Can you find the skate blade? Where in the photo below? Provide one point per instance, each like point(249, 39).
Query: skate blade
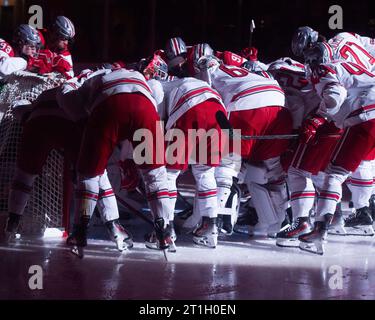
point(121, 246)
point(360, 231)
point(77, 251)
point(129, 243)
point(312, 247)
point(210, 243)
point(287, 243)
point(337, 230)
point(172, 247)
point(165, 255)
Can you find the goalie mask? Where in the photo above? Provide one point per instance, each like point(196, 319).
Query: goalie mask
point(154, 68)
point(26, 35)
point(303, 39)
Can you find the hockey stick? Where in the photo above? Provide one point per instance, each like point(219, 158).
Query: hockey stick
point(224, 124)
point(134, 210)
point(140, 215)
point(252, 27)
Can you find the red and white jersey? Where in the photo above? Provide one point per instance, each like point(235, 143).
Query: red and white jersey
point(347, 46)
point(301, 99)
point(6, 50)
point(239, 88)
point(80, 95)
point(230, 58)
point(63, 63)
point(181, 95)
point(9, 63)
point(347, 91)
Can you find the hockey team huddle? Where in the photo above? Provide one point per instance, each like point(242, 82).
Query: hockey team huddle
point(325, 101)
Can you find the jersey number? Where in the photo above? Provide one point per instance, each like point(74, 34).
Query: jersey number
point(234, 72)
point(5, 47)
point(356, 69)
point(349, 49)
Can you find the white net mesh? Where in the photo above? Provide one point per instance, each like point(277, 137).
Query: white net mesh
point(45, 208)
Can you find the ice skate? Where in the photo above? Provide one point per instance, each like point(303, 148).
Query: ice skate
point(372, 206)
point(225, 225)
point(78, 239)
point(337, 225)
point(153, 243)
point(119, 235)
point(11, 227)
point(313, 240)
point(360, 223)
point(207, 233)
point(288, 237)
point(162, 236)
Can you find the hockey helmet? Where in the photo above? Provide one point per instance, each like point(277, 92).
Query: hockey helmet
point(26, 35)
point(303, 38)
point(154, 68)
point(63, 28)
point(175, 47)
point(319, 53)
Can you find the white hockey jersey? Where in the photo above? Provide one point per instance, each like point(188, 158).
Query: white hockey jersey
point(347, 91)
point(80, 95)
point(9, 63)
point(181, 95)
point(349, 46)
point(239, 88)
point(301, 98)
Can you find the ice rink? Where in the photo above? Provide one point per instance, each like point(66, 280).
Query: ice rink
point(239, 268)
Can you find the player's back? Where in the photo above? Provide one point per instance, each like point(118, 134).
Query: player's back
point(243, 90)
point(346, 46)
point(182, 94)
point(5, 49)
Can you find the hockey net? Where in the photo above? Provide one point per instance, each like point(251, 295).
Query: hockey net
point(46, 206)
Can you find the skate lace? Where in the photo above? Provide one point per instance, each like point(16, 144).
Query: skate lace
point(294, 225)
point(351, 217)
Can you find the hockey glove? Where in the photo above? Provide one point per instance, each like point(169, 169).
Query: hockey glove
point(309, 129)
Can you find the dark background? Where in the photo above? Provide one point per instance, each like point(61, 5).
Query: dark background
point(108, 30)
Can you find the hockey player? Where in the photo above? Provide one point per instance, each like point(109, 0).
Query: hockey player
point(189, 104)
point(344, 46)
point(308, 157)
point(48, 127)
point(256, 106)
point(56, 56)
point(26, 45)
point(175, 53)
point(118, 102)
point(348, 94)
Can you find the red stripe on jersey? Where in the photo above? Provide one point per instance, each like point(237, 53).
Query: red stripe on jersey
point(192, 94)
point(126, 81)
point(329, 49)
point(368, 108)
point(257, 90)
